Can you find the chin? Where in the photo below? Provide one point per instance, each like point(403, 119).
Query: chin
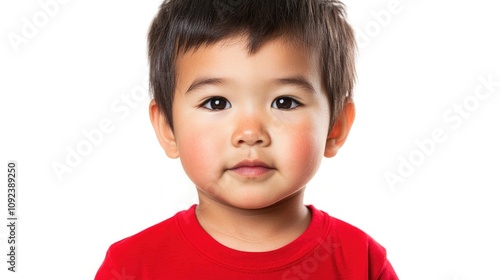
point(249, 204)
point(256, 202)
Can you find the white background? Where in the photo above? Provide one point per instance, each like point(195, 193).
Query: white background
point(79, 66)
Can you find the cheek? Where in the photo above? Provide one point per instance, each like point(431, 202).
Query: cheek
point(199, 150)
point(191, 153)
point(305, 149)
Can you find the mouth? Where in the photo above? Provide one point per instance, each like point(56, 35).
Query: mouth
point(251, 168)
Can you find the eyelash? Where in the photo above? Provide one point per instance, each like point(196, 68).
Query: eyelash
point(206, 103)
point(293, 100)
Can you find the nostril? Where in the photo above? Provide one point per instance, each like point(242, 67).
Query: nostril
point(250, 133)
point(250, 140)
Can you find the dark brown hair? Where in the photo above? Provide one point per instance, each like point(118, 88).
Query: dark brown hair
point(319, 25)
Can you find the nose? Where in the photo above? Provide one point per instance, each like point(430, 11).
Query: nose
point(250, 131)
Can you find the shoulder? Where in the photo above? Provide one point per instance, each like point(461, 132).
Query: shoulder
point(346, 233)
point(150, 236)
point(135, 254)
point(342, 231)
point(354, 247)
point(356, 240)
point(152, 240)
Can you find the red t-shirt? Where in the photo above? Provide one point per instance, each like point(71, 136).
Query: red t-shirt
point(178, 248)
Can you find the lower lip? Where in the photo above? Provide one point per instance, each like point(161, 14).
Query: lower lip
point(251, 171)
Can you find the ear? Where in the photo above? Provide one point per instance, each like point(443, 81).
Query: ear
point(340, 130)
point(163, 131)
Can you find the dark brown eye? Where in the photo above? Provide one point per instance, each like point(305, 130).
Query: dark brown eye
point(217, 104)
point(285, 103)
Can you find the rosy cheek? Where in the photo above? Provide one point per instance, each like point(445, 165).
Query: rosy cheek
point(303, 148)
point(306, 149)
point(198, 152)
point(190, 152)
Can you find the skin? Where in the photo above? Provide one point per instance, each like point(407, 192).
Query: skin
point(251, 131)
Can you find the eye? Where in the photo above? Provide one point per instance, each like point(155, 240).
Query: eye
point(285, 103)
point(216, 104)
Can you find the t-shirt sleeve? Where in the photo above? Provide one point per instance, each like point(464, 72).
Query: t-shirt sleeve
point(380, 267)
point(104, 272)
point(387, 272)
point(110, 269)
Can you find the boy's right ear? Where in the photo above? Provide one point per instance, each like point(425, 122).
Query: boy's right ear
point(163, 131)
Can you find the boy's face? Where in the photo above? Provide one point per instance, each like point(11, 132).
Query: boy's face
point(250, 130)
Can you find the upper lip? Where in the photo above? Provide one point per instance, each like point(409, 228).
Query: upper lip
point(250, 163)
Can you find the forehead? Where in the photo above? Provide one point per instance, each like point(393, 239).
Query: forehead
point(230, 59)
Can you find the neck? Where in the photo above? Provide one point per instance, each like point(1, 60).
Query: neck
point(254, 230)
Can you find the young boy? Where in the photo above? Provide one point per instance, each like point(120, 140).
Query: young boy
point(250, 95)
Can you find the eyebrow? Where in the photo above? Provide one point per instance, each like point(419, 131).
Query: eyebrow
point(297, 81)
point(201, 82)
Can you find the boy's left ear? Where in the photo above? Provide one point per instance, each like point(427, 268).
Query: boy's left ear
point(340, 130)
